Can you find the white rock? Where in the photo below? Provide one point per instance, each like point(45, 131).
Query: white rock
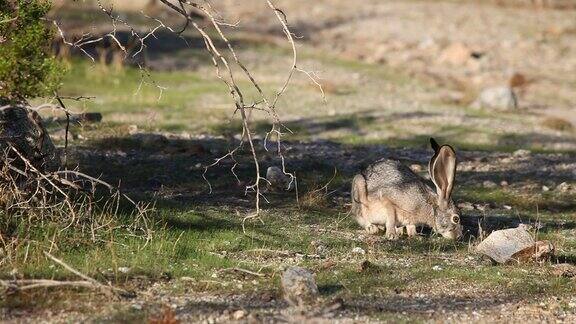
point(239, 314)
point(564, 187)
point(136, 306)
point(132, 129)
point(466, 206)
point(123, 269)
point(521, 153)
point(501, 245)
point(358, 250)
point(499, 98)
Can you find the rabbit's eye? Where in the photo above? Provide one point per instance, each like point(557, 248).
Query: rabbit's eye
point(455, 219)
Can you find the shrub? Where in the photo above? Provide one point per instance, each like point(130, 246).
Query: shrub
point(27, 67)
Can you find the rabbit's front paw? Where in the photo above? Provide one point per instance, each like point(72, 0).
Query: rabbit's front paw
point(372, 229)
point(411, 230)
point(392, 236)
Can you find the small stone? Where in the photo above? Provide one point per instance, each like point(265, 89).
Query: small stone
point(564, 187)
point(545, 188)
point(278, 180)
point(507, 207)
point(466, 206)
point(299, 286)
point(416, 168)
point(521, 153)
point(239, 314)
point(504, 183)
point(481, 207)
point(132, 129)
point(136, 306)
point(123, 269)
point(437, 268)
point(358, 250)
point(489, 184)
point(498, 98)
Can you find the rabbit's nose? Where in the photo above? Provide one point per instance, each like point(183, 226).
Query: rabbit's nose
point(460, 232)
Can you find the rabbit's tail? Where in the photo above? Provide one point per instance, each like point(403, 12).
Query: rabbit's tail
point(359, 195)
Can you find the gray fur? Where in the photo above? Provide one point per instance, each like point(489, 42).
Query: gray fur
point(397, 182)
point(388, 194)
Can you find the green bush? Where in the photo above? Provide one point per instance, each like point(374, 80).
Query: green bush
point(27, 67)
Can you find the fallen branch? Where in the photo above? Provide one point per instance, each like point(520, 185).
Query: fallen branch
point(90, 283)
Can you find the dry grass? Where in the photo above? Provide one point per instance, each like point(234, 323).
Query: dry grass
point(61, 207)
point(314, 199)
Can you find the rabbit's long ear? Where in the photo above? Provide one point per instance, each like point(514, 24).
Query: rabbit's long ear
point(436, 148)
point(443, 171)
point(434, 145)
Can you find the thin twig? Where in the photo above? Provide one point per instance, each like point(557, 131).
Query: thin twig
point(95, 282)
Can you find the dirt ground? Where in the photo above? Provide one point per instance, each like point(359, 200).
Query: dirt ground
point(415, 35)
point(393, 79)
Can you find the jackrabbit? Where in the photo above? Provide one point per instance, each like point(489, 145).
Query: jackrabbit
point(389, 194)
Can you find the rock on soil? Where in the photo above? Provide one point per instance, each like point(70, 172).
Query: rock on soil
point(564, 187)
point(498, 98)
point(277, 179)
point(299, 286)
point(23, 129)
point(501, 245)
